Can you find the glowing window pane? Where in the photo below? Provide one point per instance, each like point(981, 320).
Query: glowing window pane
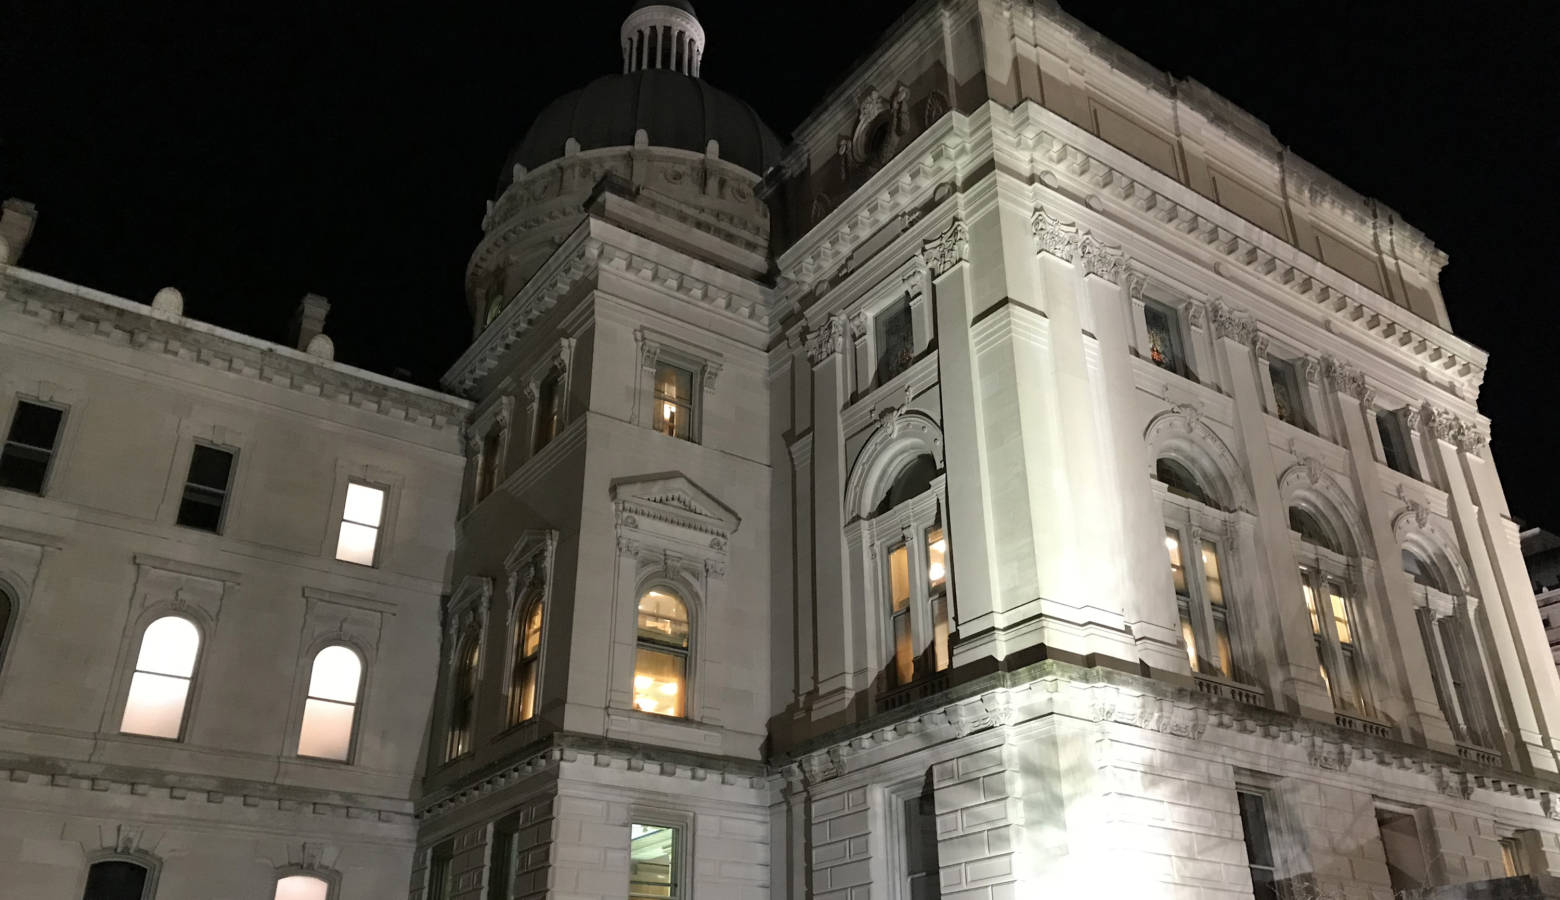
point(301, 887)
point(658, 681)
point(653, 862)
point(1210, 563)
point(663, 619)
point(364, 505)
point(1310, 606)
point(1188, 635)
point(327, 729)
point(936, 557)
point(336, 673)
point(168, 647)
point(1177, 570)
point(1340, 610)
point(155, 706)
point(899, 578)
point(940, 632)
point(357, 543)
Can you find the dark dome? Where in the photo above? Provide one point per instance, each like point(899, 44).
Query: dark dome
point(675, 110)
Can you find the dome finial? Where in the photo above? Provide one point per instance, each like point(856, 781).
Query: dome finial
point(662, 34)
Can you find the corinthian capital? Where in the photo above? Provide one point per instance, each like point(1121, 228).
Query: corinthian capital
point(1053, 236)
point(1102, 260)
point(947, 249)
point(1346, 379)
point(827, 340)
point(1228, 323)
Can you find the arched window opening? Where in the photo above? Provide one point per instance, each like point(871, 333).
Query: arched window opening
point(661, 654)
point(463, 696)
point(1181, 482)
point(160, 685)
point(330, 710)
point(528, 657)
point(7, 619)
point(117, 879)
point(1312, 530)
point(913, 480)
point(1423, 573)
point(302, 887)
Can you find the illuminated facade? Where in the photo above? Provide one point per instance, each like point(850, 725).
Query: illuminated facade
point(1034, 481)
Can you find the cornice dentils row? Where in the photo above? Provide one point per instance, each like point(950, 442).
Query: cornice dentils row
point(1068, 160)
point(1067, 242)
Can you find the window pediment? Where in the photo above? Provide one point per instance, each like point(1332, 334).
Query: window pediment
point(675, 502)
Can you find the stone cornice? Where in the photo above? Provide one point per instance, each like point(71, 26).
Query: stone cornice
point(84, 311)
point(1090, 167)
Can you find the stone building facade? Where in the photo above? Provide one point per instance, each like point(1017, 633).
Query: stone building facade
point(1034, 480)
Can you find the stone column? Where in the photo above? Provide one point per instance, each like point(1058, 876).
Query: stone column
point(1292, 671)
point(838, 673)
point(1411, 699)
point(1515, 596)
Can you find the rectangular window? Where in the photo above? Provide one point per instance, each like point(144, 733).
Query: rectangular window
point(206, 488)
point(487, 467)
point(504, 864)
point(654, 862)
point(920, 836)
point(1164, 337)
point(937, 592)
point(899, 614)
point(359, 540)
point(1394, 443)
point(549, 409)
point(1259, 844)
point(1407, 868)
point(1288, 402)
point(674, 401)
point(441, 872)
point(29, 446)
point(1511, 856)
point(895, 340)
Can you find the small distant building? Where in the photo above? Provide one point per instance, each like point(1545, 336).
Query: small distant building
point(1541, 549)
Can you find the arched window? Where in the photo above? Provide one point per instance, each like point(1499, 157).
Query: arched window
point(661, 654)
point(528, 657)
point(1193, 523)
point(913, 480)
point(302, 887)
point(1180, 480)
point(1329, 602)
point(1422, 572)
point(463, 696)
point(1456, 660)
point(160, 686)
point(906, 528)
point(7, 619)
point(330, 711)
point(117, 879)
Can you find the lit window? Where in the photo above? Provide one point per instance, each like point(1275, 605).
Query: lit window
point(331, 708)
point(661, 658)
point(674, 401)
point(895, 340)
point(116, 879)
point(1164, 337)
point(206, 488)
point(899, 614)
point(160, 685)
point(302, 887)
point(528, 653)
point(1197, 572)
point(1288, 404)
point(463, 696)
point(654, 862)
point(937, 590)
point(29, 447)
point(1512, 859)
point(360, 518)
point(1259, 844)
point(549, 409)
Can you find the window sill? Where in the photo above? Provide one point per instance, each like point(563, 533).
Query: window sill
point(919, 689)
point(1481, 755)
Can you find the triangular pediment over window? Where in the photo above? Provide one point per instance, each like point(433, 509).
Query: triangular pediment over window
point(674, 500)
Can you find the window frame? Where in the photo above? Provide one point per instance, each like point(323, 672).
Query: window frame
point(894, 798)
point(10, 621)
point(381, 531)
point(683, 823)
point(878, 343)
point(138, 637)
point(470, 636)
point(1178, 331)
point(1192, 522)
point(1295, 381)
point(442, 852)
point(152, 865)
point(656, 349)
point(909, 524)
point(330, 877)
point(1320, 567)
point(227, 491)
point(358, 705)
point(50, 466)
point(687, 654)
point(1458, 667)
point(1393, 438)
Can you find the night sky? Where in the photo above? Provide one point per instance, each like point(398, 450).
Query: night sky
point(248, 156)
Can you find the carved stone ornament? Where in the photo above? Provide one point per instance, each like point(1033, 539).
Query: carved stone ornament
point(1229, 323)
point(858, 326)
point(1053, 236)
point(1313, 370)
point(827, 340)
point(992, 711)
point(1444, 426)
point(712, 372)
point(1102, 260)
point(1346, 379)
point(947, 249)
point(1326, 754)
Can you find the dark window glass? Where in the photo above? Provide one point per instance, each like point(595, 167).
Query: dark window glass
point(504, 864)
point(549, 409)
point(1180, 480)
point(895, 341)
point(1407, 867)
point(463, 697)
point(1287, 402)
point(115, 880)
point(674, 401)
point(29, 447)
point(1394, 443)
point(921, 846)
point(1259, 845)
point(1164, 337)
point(913, 480)
point(8, 612)
point(206, 488)
point(1311, 529)
point(487, 467)
point(441, 872)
